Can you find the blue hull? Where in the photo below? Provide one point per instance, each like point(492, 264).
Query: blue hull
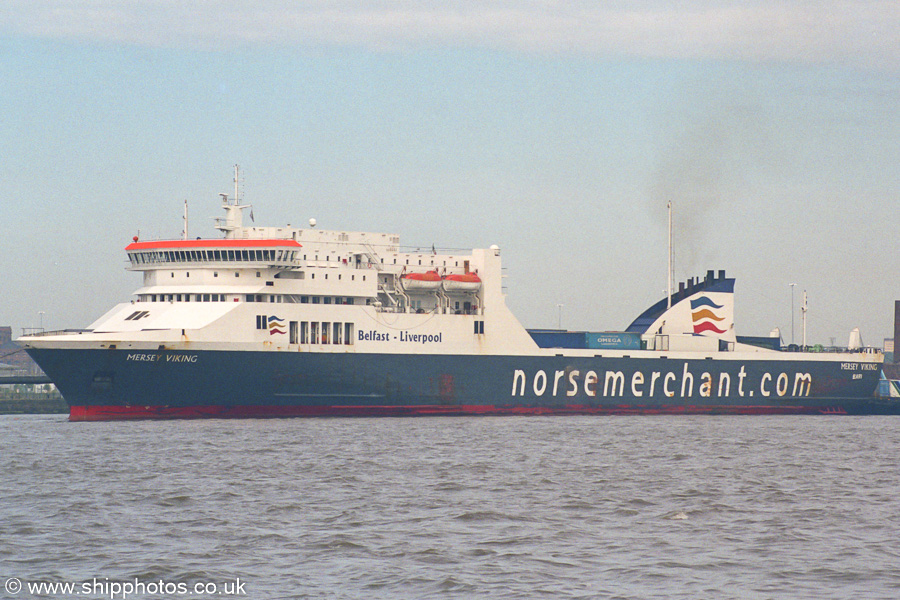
point(118, 384)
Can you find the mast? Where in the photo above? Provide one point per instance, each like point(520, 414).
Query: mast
point(669, 274)
point(232, 221)
point(803, 310)
point(237, 200)
point(185, 232)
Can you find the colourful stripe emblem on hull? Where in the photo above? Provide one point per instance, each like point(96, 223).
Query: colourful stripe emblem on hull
point(276, 325)
point(702, 316)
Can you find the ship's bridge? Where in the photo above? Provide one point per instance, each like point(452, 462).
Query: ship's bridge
point(166, 253)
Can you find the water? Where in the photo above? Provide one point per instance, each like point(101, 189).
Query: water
point(514, 507)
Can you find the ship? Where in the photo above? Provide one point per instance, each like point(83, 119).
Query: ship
point(307, 322)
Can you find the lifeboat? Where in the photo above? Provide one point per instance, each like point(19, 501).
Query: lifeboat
point(466, 282)
point(419, 282)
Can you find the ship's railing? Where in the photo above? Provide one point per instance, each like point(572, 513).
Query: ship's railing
point(58, 332)
point(831, 349)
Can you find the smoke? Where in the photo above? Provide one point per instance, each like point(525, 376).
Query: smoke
point(703, 168)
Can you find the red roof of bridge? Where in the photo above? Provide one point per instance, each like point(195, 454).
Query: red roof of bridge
point(173, 244)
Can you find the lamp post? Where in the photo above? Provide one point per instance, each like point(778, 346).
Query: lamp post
point(559, 321)
point(41, 313)
point(792, 312)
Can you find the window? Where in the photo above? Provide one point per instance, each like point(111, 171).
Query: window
point(304, 332)
point(348, 333)
point(336, 337)
point(261, 322)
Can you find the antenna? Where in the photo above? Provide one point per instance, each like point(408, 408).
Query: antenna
point(792, 311)
point(237, 199)
point(803, 310)
point(669, 274)
point(185, 232)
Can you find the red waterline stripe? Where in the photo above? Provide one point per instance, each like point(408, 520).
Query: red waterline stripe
point(118, 413)
point(212, 244)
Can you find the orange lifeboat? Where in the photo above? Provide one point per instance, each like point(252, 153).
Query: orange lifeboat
point(465, 282)
point(416, 282)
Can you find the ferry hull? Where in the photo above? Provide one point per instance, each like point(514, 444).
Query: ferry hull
point(106, 384)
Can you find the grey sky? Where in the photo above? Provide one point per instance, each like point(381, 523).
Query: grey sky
point(557, 132)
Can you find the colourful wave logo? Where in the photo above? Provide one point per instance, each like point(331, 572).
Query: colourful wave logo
point(276, 325)
point(704, 316)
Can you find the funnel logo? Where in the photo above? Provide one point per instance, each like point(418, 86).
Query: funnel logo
point(703, 314)
point(276, 325)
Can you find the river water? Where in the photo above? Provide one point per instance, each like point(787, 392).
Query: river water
point(509, 507)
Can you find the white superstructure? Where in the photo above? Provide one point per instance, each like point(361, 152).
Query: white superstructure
point(307, 288)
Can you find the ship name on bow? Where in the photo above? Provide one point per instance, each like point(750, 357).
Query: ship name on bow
point(169, 358)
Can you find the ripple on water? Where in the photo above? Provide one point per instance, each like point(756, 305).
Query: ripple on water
point(579, 507)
